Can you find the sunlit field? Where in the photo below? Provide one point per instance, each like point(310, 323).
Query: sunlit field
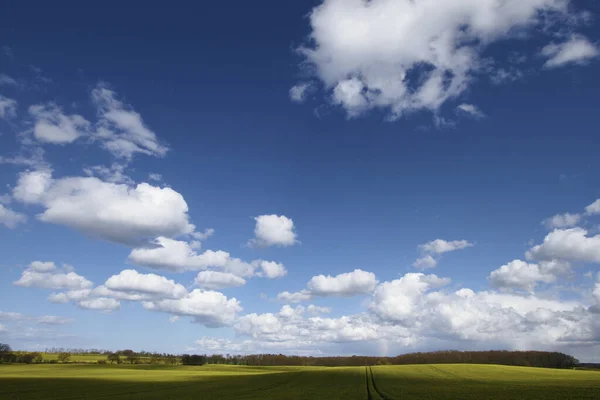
point(72, 381)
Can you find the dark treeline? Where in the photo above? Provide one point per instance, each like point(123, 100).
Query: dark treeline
point(500, 357)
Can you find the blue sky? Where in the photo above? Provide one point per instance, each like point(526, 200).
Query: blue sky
point(191, 166)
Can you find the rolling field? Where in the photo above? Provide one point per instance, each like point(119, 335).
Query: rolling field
point(239, 382)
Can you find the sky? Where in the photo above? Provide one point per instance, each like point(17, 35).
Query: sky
point(325, 177)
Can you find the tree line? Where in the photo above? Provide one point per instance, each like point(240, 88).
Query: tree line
point(501, 357)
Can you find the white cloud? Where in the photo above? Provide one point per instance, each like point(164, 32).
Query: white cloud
point(203, 235)
point(439, 246)
point(398, 300)
point(32, 186)
point(53, 126)
point(271, 269)
point(51, 278)
point(11, 316)
point(294, 297)
point(299, 92)
point(425, 262)
point(54, 320)
point(471, 109)
point(114, 212)
point(178, 256)
point(42, 266)
point(100, 304)
point(404, 55)
point(218, 280)
point(3, 328)
point(273, 230)
point(121, 129)
point(132, 282)
point(210, 308)
point(521, 275)
point(562, 221)
point(8, 108)
point(576, 50)
point(567, 244)
point(10, 218)
point(593, 208)
point(347, 284)
point(155, 177)
point(431, 251)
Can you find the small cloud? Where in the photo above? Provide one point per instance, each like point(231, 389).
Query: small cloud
point(273, 230)
point(577, 50)
point(8, 53)
point(470, 110)
point(155, 177)
point(299, 92)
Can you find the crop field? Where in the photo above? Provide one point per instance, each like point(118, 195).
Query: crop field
point(58, 381)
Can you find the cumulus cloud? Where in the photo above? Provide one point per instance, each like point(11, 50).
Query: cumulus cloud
point(566, 220)
point(521, 275)
point(100, 304)
point(122, 130)
point(38, 275)
point(577, 50)
point(54, 320)
point(10, 218)
point(403, 55)
point(132, 282)
point(218, 280)
point(115, 212)
point(593, 208)
point(177, 256)
point(271, 269)
point(8, 108)
point(347, 284)
point(51, 125)
point(427, 261)
point(42, 266)
point(567, 244)
point(471, 110)
point(207, 307)
point(273, 230)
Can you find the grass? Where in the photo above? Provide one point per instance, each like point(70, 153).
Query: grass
point(58, 381)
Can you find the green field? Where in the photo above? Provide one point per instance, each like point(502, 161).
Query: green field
point(60, 381)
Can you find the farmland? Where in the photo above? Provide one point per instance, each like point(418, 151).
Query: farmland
point(73, 381)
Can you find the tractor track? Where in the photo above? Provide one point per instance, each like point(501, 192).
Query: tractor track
point(379, 393)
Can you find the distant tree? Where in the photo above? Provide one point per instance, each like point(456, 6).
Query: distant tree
point(37, 357)
point(64, 357)
point(171, 360)
point(155, 359)
point(114, 358)
point(5, 353)
point(132, 358)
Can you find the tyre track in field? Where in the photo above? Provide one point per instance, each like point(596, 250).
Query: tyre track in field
point(369, 395)
point(379, 393)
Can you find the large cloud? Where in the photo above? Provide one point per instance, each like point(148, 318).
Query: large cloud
point(519, 274)
point(132, 282)
point(42, 275)
point(273, 230)
point(207, 307)
point(347, 284)
point(218, 280)
point(567, 244)
point(178, 256)
point(111, 211)
point(408, 55)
